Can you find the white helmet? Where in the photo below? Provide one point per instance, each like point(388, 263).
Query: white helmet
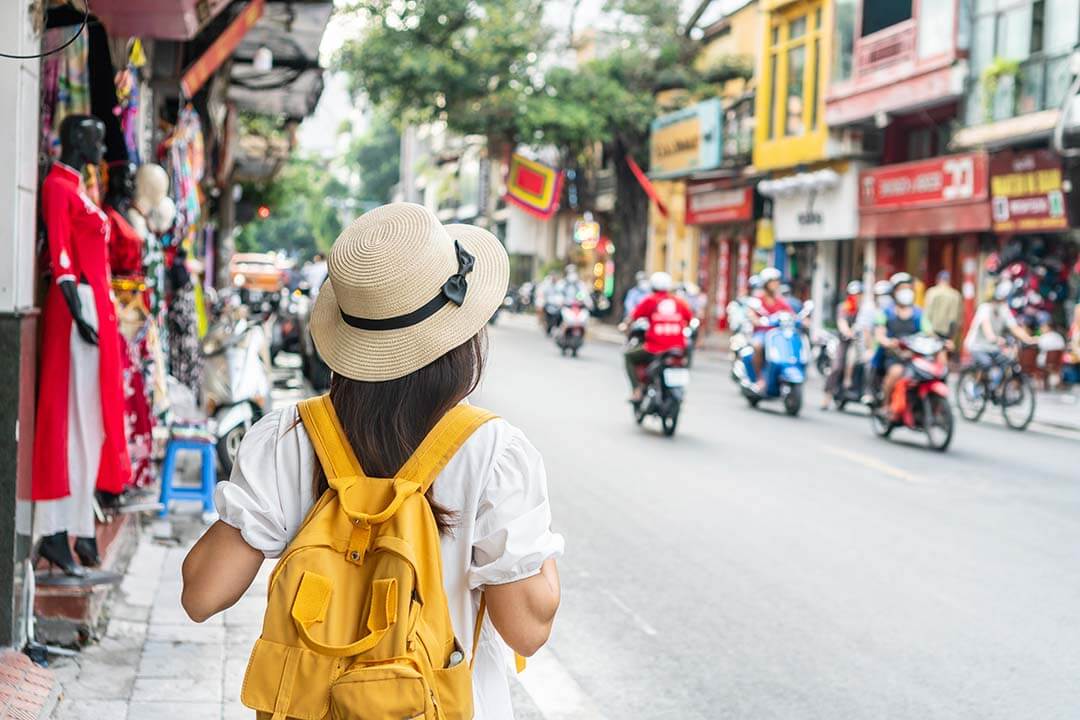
point(1003, 290)
point(660, 282)
point(768, 275)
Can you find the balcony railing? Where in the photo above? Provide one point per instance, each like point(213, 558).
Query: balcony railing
point(1040, 84)
point(894, 44)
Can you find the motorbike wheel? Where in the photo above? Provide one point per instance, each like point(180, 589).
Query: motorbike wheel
point(639, 414)
point(938, 422)
point(228, 446)
point(793, 400)
point(1018, 401)
point(753, 400)
point(971, 395)
point(883, 427)
point(669, 422)
point(573, 352)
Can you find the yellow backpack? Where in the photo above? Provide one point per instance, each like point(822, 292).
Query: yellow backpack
point(357, 625)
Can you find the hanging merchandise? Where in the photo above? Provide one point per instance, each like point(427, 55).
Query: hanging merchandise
point(136, 361)
point(127, 100)
point(184, 152)
point(185, 356)
point(65, 85)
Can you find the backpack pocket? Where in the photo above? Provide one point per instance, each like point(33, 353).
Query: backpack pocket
point(453, 688)
point(386, 691)
point(271, 681)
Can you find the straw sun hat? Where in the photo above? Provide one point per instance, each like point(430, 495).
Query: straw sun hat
point(403, 290)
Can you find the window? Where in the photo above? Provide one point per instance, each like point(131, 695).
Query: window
point(880, 14)
point(935, 30)
point(843, 39)
point(796, 75)
point(794, 86)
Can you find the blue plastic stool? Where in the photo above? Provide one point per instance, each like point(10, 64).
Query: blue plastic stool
point(209, 474)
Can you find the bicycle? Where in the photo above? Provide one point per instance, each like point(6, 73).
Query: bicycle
point(996, 378)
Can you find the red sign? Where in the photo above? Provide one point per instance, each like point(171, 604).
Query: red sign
point(948, 180)
point(709, 203)
point(1026, 192)
point(218, 52)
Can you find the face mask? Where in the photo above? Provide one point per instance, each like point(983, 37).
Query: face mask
point(906, 296)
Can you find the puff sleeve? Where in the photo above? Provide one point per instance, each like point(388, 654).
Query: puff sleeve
point(512, 536)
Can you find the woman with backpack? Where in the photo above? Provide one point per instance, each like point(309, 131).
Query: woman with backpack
point(390, 484)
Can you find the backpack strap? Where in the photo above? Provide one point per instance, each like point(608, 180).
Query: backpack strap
point(328, 438)
point(445, 439)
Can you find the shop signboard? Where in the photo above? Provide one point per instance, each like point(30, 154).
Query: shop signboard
point(711, 203)
point(686, 141)
point(933, 182)
point(1027, 192)
point(938, 196)
point(813, 206)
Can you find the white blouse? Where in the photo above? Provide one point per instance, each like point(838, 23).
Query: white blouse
point(496, 485)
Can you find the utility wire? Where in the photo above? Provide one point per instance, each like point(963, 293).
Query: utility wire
point(82, 28)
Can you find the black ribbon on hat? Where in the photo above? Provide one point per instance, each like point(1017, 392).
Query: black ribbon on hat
point(452, 291)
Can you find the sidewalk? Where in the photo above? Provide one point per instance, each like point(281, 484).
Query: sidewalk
point(155, 663)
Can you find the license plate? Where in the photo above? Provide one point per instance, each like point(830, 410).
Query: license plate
point(676, 377)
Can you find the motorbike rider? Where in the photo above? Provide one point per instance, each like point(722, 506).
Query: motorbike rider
point(993, 321)
point(571, 288)
point(898, 321)
point(636, 294)
point(668, 316)
point(770, 302)
point(848, 314)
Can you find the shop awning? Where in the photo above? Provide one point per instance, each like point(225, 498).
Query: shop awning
point(159, 19)
point(224, 45)
point(288, 38)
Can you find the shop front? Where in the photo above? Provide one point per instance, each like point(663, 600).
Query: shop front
point(815, 224)
point(723, 215)
point(924, 217)
point(1032, 209)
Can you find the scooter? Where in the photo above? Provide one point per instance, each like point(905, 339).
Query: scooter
point(664, 382)
point(824, 349)
point(854, 391)
point(236, 380)
point(786, 357)
point(920, 398)
point(552, 315)
point(575, 317)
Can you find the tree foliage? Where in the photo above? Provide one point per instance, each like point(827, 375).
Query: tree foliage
point(305, 205)
point(375, 156)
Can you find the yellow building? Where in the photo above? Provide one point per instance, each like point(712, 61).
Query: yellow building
point(673, 246)
point(793, 70)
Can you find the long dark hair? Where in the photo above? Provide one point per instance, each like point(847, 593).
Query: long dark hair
point(386, 421)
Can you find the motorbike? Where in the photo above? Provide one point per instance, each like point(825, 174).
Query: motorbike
point(824, 349)
point(784, 369)
point(854, 391)
point(664, 381)
point(552, 315)
point(920, 399)
point(741, 332)
point(691, 334)
point(286, 331)
point(236, 380)
point(571, 333)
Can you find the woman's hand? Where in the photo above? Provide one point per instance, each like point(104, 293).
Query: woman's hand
point(217, 571)
point(524, 611)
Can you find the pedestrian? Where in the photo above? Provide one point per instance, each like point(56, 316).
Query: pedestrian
point(943, 307)
point(401, 324)
point(314, 274)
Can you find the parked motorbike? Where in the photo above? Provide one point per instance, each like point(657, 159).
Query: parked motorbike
point(286, 331)
point(784, 368)
point(571, 333)
point(664, 382)
point(920, 399)
point(236, 379)
point(311, 364)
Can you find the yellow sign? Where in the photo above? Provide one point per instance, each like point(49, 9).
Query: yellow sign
point(676, 146)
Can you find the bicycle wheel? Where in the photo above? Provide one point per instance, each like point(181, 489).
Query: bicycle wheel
point(1017, 401)
point(971, 395)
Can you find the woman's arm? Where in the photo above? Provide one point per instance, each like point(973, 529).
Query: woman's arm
point(217, 571)
point(524, 611)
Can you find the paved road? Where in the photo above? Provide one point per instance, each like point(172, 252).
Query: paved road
point(758, 566)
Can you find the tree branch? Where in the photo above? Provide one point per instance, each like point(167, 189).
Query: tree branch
point(696, 16)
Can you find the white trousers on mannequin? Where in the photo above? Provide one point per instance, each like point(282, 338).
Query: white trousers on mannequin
point(75, 513)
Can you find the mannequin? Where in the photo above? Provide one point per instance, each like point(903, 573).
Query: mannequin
point(151, 189)
point(79, 438)
point(125, 244)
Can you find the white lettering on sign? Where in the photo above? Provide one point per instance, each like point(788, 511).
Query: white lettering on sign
point(717, 199)
point(961, 178)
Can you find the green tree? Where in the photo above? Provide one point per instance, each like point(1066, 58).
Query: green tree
point(375, 157)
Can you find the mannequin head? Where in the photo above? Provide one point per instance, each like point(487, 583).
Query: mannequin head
point(82, 141)
point(121, 185)
point(161, 216)
point(151, 187)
